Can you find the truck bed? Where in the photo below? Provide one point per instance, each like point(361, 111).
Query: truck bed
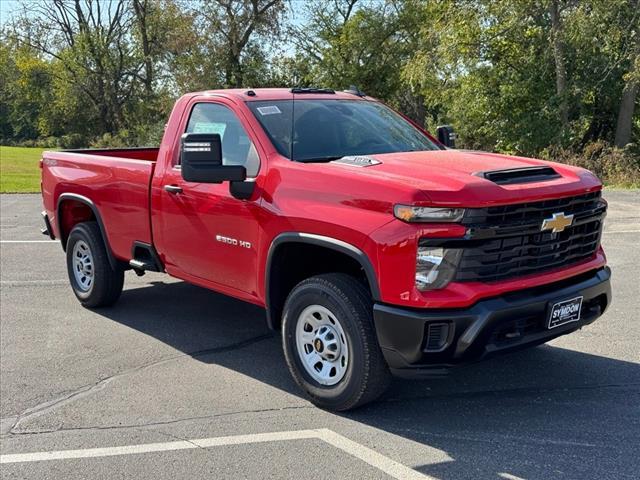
point(115, 181)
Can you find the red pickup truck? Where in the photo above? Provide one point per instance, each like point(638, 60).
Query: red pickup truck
point(373, 247)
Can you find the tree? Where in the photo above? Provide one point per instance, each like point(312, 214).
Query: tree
point(603, 34)
point(486, 68)
point(630, 92)
point(347, 42)
point(557, 41)
point(162, 33)
point(232, 26)
point(90, 40)
point(8, 77)
point(525, 76)
point(146, 12)
point(25, 91)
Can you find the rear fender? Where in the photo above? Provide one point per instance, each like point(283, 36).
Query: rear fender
point(64, 228)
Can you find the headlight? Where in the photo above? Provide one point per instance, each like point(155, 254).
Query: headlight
point(407, 213)
point(435, 266)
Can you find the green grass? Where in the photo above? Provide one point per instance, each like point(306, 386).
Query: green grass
point(19, 171)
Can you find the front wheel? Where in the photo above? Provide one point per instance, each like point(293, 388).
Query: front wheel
point(94, 282)
point(330, 343)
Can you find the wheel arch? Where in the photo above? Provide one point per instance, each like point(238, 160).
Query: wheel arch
point(276, 294)
point(64, 230)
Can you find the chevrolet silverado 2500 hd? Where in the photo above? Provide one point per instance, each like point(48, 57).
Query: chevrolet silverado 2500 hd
point(373, 248)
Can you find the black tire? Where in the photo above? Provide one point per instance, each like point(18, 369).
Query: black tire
point(367, 375)
point(107, 282)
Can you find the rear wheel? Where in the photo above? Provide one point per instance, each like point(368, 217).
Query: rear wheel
point(330, 343)
point(94, 282)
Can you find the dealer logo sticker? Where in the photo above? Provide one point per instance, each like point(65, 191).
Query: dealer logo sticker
point(564, 312)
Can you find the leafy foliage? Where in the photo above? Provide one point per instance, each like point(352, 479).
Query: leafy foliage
point(532, 77)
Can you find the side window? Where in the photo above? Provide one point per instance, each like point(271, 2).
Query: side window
point(237, 147)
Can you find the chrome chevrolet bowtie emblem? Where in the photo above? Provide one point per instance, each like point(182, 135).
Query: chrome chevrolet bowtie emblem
point(557, 223)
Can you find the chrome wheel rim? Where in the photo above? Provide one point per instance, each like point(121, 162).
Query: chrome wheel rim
point(83, 265)
point(322, 345)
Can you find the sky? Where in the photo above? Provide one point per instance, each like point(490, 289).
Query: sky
point(6, 8)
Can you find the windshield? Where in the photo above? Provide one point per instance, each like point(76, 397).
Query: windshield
point(329, 129)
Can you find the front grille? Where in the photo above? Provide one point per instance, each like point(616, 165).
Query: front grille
point(507, 242)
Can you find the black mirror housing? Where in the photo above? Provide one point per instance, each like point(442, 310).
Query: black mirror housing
point(446, 136)
point(201, 160)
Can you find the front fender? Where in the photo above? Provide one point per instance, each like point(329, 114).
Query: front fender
point(331, 243)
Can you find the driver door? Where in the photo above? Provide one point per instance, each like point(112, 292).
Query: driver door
point(207, 233)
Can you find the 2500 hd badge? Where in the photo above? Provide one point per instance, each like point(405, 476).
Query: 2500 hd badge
point(233, 241)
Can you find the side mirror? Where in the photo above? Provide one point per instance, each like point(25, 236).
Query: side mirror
point(446, 136)
point(201, 160)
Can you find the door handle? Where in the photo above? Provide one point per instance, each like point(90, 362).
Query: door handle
point(173, 189)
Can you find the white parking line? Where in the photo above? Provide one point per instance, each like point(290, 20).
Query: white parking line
point(365, 454)
point(29, 241)
point(390, 467)
point(508, 476)
point(25, 283)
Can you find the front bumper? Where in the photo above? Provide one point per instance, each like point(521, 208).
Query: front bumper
point(423, 343)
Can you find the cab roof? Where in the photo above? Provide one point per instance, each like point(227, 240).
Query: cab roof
point(256, 94)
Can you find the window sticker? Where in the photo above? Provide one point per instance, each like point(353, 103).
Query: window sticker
point(269, 110)
point(209, 127)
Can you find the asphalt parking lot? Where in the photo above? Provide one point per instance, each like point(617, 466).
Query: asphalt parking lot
point(179, 382)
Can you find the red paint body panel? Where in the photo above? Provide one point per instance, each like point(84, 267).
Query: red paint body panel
point(118, 187)
point(350, 204)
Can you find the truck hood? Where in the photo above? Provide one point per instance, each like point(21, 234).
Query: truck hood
point(450, 177)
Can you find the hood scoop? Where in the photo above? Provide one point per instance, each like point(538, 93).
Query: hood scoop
point(358, 161)
point(519, 175)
